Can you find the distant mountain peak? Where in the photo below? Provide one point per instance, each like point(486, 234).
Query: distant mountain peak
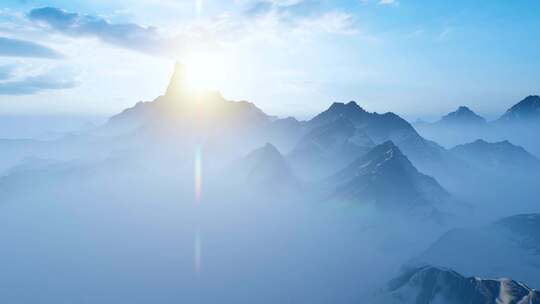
point(502, 157)
point(329, 147)
point(179, 89)
point(345, 109)
point(178, 83)
point(484, 145)
point(349, 105)
point(503, 143)
point(379, 127)
point(201, 110)
point(530, 103)
point(531, 100)
point(527, 109)
point(353, 103)
point(385, 167)
point(350, 110)
point(382, 157)
point(269, 149)
point(463, 115)
point(267, 166)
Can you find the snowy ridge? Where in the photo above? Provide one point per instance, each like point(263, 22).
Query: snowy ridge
point(442, 285)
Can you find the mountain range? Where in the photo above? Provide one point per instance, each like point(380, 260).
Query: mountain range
point(517, 125)
point(429, 284)
point(332, 139)
point(380, 128)
point(499, 157)
point(344, 156)
point(332, 146)
point(525, 111)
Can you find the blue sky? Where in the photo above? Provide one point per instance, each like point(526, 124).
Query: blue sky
point(290, 57)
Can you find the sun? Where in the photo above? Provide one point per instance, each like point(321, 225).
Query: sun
point(205, 70)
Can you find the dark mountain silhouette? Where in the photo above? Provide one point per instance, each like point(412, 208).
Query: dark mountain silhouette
point(500, 156)
point(519, 125)
point(285, 133)
point(462, 116)
point(440, 285)
point(264, 167)
point(351, 111)
point(328, 148)
point(387, 126)
point(380, 127)
point(386, 177)
point(184, 112)
point(527, 110)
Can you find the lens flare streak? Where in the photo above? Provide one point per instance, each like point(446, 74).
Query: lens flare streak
point(198, 188)
point(197, 252)
point(198, 175)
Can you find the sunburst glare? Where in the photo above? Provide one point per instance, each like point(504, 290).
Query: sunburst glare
point(205, 70)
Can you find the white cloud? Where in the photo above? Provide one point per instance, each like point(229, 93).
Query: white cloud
point(332, 23)
point(389, 2)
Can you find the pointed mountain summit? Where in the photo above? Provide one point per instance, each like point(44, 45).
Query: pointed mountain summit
point(380, 127)
point(351, 110)
point(527, 110)
point(499, 156)
point(441, 285)
point(178, 84)
point(179, 89)
point(265, 166)
point(386, 177)
point(462, 116)
point(187, 109)
point(384, 127)
point(329, 148)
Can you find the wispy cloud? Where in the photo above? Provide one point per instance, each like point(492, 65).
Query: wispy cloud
point(332, 22)
point(296, 19)
point(389, 2)
point(130, 35)
point(276, 18)
point(22, 48)
point(49, 80)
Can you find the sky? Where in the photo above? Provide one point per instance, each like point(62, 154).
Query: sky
point(289, 57)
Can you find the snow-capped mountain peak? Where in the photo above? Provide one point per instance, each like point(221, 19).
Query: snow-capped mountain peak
point(430, 284)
